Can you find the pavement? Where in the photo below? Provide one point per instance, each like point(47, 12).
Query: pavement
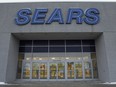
point(58, 84)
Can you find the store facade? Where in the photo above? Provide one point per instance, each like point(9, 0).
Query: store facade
point(57, 60)
point(57, 41)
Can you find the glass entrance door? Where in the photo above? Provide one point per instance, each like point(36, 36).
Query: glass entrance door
point(39, 70)
point(74, 70)
point(88, 69)
point(53, 70)
point(26, 70)
point(70, 70)
point(49, 70)
point(43, 70)
point(78, 70)
point(61, 70)
point(57, 70)
point(35, 70)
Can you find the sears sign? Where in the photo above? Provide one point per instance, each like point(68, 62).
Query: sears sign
point(89, 16)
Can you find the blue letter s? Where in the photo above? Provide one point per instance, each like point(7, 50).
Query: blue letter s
point(92, 16)
point(23, 17)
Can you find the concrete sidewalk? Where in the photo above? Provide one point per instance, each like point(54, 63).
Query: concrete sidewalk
point(59, 84)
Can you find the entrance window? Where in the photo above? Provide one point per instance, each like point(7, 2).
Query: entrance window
point(73, 42)
point(88, 72)
point(57, 60)
point(26, 70)
point(73, 49)
point(40, 49)
point(57, 42)
point(19, 67)
point(40, 57)
point(94, 64)
point(40, 43)
point(25, 43)
point(70, 70)
point(57, 49)
point(35, 70)
point(57, 70)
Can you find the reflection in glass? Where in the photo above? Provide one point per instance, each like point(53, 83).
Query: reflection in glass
point(57, 49)
point(40, 49)
point(43, 71)
point(40, 42)
point(25, 49)
point(73, 49)
point(73, 42)
point(70, 70)
point(56, 42)
point(25, 42)
point(87, 66)
point(61, 71)
point(86, 56)
point(26, 71)
point(78, 70)
point(93, 55)
point(35, 70)
point(88, 42)
point(89, 49)
point(53, 70)
point(95, 71)
point(28, 56)
point(19, 66)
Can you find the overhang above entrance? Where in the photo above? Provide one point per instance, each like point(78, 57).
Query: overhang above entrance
point(56, 36)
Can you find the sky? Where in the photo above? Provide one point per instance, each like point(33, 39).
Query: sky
point(10, 1)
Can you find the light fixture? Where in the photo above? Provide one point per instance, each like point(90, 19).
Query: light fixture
point(34, 58)
point(85, 57)
point(53, 58)
point(67, 58)
point(27, 58)
point(40, 58)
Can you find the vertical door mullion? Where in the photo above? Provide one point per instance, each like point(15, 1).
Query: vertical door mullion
point(83, 66)
point(31, 62)
point(48, 70)
point(30, 70)
point(74, 72)
point(39, 70)
point(22, 69)
point(83, 69)
point(91, 69)
point(65, 70)
point(56, 70)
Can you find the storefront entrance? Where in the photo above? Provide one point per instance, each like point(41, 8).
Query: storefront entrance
point(49, 60)
point(57, 70)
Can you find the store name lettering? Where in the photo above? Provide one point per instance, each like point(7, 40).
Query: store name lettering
point(89, 16)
